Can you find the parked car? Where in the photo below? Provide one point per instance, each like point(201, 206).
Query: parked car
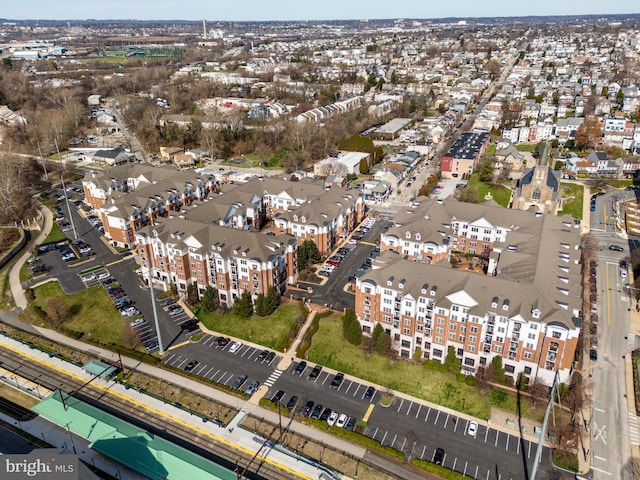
point(292, 403)
point(191, 365)
point(337, 381)
point(252, 388)
point(368, 395)
point(237, 383)
point(278, 396)
point(269, 358)
point(317, 410)
point(137, 322)
point(88, 278)
point(315, 372)
point(333, 418)
point(351, 424)
point(222, 342)
point(438, 457)
point(235, 346)
point(472, 429)
point(307, 408)
point(342, 420)
point(616, 248)
point(326, 413)
point(300, 367)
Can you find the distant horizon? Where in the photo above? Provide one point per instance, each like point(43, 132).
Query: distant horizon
point(296, 11)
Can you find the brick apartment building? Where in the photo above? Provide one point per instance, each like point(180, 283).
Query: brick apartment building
point(138, 203)
point(464, 154)
point(525, 306)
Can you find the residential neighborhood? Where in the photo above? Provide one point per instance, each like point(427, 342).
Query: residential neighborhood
point(437, 218)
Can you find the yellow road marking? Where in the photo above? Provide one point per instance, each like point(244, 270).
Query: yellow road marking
point(161, 413)
point(368, 243)
point(179, 345)
point(368, 413)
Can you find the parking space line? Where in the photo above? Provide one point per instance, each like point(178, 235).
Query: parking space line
point(418, 412)
point(325, 379)
point(230, 377)
point(446, 420)
point(497, 435)
point(401, 402)
point(529, 450)
point(367, 414)
point(182, 363)
point(252, 354)
point(245, 351)
point(394, 440)
point(383, 438)
point(507, 446)
point(208, 339)
point(358, 385)
point(347, 390)
point(169, 358)
point(207, 374)
point(435, 422)
point(214, 375)
point(175, 360)
point(517, 447)
point(455, 423)
point(427, 415)
point(200, 371)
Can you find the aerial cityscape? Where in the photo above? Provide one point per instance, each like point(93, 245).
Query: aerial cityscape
point(320, 241)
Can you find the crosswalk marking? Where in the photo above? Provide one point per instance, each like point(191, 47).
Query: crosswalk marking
point(631, 342)
point(273, 377)
point(634, 433)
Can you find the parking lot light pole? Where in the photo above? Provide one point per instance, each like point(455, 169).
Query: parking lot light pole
point(153, 305)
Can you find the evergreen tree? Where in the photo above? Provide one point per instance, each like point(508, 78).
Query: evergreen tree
point(209, 300)
point(380, 339)
point(261, 306)
point(308, 253)
point(272, 300)
point(364, 166)
point(351, 328)
point(243, 306)
point(497, 370)
point(452, 363)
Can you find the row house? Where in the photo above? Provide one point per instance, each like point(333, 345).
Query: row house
point(184, 252)
point(525, 309)
point(565, 129)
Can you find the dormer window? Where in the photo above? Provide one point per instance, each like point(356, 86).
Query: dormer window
point(505, 305)
point(418, 236)
point(235, 252)
point(407, 235)
point(303, 219)
point(401, 283)
point(423, 291)
point(535, 313)
point(434, 289)
point(494, 302)
point(295, 218)
point(390, 281)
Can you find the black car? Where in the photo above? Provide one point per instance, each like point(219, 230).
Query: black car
point(351, 424)
point(222, 342)
point(237, 383)
point(624, 264)
point(317, 410)
point(593, 355)
point(369, 393)
point(269, 357)
point(292, 403)
point(191, 365)
point(438, 457)
point(315, 372)
point(190, 325)
point(300, 367)
point(278, 396)
point(307, 408)
point(325, 414)
point(337, 381)
point(616, 248)
point(262, 354)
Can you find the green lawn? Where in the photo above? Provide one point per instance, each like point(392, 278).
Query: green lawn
point(273, 331)
point(330, 349)
point(55, 235)
point(574, 197)
point(500, 194)
point(619, 183)
point(491, 149)
point(92, 312)
point(526, 147)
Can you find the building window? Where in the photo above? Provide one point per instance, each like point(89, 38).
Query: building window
point(536, 194)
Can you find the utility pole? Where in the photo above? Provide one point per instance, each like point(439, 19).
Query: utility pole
point(538, 455)
point(44, 164)
point(66, 199)
point(156, 321)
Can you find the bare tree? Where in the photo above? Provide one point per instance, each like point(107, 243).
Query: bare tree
point(57, 312)
point(129, 337)
point(335, 169)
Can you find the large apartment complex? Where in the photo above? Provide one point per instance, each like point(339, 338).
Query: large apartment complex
point(514, 289)
point(200, 228)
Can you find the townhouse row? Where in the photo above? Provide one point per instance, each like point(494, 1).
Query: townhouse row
point(183, 224)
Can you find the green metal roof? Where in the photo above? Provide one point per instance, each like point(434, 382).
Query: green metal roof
point(94, 367)
point(137, 449)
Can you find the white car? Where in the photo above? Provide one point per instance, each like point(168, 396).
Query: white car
point(235, 346)
point(137, 322)
point(352, 241)
point(104, 276)
point(88, 278)
point(332, 418)
point(342, 420)
point(472, 429)
point(623, 273)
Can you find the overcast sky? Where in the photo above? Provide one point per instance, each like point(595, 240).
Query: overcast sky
point(301, 9)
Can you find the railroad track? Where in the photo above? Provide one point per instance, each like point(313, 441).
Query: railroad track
point(191, 439)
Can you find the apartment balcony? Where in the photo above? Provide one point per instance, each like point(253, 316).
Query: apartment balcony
point(490, 330)
point(512, 356)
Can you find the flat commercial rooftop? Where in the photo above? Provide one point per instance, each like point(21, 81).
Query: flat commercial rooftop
point(133, 447)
